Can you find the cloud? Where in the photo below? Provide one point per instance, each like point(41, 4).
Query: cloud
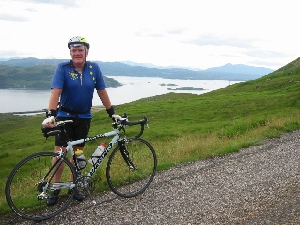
point(219, 40)
point(265, 54)
point(31, 10)
point(160, 32)
point(67, 3)
point(148, 33)
point(6, 54)
point(12, 18)
point(178, 31)
point(264, 63)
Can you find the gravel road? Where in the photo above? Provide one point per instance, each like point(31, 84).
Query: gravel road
point(258, 185)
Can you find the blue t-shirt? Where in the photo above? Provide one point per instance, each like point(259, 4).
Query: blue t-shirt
point(77, 90)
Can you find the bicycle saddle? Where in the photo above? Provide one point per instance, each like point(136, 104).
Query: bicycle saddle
point(50, 131)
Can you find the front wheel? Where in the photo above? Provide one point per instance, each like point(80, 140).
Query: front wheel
point(31, 181)
point(131, 167)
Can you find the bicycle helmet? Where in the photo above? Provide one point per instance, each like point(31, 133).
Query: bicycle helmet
point(78, 41)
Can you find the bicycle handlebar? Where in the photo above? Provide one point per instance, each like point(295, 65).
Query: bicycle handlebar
point(142, 122)
point(124, 121)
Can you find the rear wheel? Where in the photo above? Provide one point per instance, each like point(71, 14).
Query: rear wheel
point(130, 170)
point(30, 184)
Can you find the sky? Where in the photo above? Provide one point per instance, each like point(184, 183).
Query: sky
point(196, 34)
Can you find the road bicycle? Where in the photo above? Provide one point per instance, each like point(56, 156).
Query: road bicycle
point(130, 169)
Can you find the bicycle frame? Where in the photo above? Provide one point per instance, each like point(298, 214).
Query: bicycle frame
point(69, 148)
point(115, 139)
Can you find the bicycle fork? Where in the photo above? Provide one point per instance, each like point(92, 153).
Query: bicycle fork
point(126, 156)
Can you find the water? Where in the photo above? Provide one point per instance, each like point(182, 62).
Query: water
point(133, 88)
point(23, 100)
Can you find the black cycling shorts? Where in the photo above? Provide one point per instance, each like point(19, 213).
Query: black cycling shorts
point(78, 129)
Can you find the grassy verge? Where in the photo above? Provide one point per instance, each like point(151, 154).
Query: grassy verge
point(183, 127)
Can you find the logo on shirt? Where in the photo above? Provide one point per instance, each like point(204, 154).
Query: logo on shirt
point(91, 73)
point(73, 74)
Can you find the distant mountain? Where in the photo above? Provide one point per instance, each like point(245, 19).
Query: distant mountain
point(226, 72)
point(240, 68)
point(149, 65)
point(31, 61)
point(6, 59)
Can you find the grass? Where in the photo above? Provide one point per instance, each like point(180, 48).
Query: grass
point(183, 127)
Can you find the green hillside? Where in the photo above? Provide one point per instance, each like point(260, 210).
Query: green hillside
point(183, 127)
point(34, 77)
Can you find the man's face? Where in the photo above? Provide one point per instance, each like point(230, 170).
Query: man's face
point(78, 54)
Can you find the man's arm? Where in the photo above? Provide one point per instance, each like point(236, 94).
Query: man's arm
point(104, 98)
point(107, 104)
point(54, 98)
point(49, 122)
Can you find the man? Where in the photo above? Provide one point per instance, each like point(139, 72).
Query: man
point(72, 88)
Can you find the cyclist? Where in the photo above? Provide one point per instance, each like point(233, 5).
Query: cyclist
point(72, 90)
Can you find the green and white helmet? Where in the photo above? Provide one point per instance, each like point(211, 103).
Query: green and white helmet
point(78, 41)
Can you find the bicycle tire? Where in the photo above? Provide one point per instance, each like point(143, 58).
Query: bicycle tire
point(25, 183)
point(127, 182)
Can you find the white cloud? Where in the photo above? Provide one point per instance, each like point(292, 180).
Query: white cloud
point(187, 33)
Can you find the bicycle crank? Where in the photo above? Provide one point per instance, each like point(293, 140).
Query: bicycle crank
point(85, 184)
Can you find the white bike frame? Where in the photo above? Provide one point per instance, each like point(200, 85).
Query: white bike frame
point(115, 139)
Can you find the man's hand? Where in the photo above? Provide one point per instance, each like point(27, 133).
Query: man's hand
point(49, 122)
point(115, 117)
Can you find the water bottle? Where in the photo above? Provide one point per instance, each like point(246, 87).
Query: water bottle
point(97, 153)
point(81, 163)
